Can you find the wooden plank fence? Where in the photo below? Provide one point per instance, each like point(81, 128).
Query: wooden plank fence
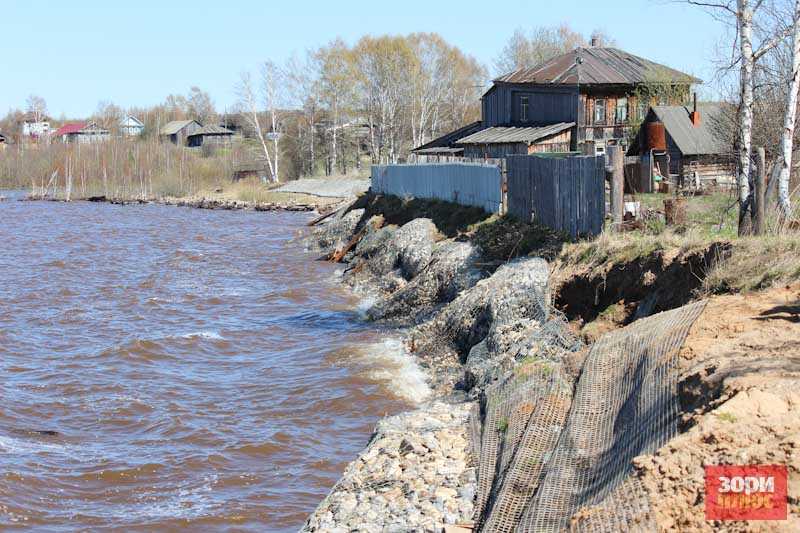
point(475, 184)
point(566, 194)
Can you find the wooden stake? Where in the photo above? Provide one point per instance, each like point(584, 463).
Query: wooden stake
point(760, 192)
point(615, 166)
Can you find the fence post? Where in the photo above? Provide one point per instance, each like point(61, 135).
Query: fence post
point(759, 207)
point(615, 168)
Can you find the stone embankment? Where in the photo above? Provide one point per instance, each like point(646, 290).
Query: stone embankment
point(465, 326)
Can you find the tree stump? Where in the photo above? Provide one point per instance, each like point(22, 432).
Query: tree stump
point(675, 211)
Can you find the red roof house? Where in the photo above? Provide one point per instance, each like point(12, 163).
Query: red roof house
point(82, 132)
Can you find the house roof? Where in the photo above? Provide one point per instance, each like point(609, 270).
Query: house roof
point(212, 130)
point(70, 127)
point(171, 128)
point(707, 138)
point(448, 139)
point(513, 134)
point(130, 120)
point(597, 65)
point(79, 127)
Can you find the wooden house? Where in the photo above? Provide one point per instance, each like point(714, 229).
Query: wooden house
point(691, 144)
point(178, 131)
point(597, 90)
point(131, 126)
point(210, 136)
point(81, 132)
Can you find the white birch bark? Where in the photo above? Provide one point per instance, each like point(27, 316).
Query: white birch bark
point(249, 104)
point(783, 169)
point(745, 22)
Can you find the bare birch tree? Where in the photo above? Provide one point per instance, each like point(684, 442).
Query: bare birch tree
point(36, 107)
point(743, 14)
point(782, 169)
point(249, 107)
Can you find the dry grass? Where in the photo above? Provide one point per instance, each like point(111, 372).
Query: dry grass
point(118, 168)
point(757, 263)
point(255, 192)
point(610, 248)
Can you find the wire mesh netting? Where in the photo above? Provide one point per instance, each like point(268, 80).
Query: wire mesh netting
point(534, 476)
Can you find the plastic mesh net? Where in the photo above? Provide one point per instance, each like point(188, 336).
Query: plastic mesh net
point(534, 476)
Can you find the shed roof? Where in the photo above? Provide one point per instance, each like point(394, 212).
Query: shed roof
point(513, 134)
point(439, 150)
point(448, 139)
point(597, 65)
point(212, 130)
point(707, 138)
point(171, 128)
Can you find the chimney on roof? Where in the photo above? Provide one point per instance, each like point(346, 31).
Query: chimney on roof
point(694, 116)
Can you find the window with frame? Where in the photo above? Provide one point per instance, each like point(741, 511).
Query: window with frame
point(621, 111)
point(524, 108)
point(600, 111)
point(641, 109)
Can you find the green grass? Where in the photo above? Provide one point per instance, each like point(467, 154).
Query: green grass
point(726, 417)
point(502, 425)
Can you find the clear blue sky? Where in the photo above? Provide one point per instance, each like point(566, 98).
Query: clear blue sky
point(77, 53)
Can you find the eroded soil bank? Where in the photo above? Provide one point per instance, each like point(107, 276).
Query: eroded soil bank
point(480, 301)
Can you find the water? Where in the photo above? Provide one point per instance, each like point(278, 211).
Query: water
point(173, 369)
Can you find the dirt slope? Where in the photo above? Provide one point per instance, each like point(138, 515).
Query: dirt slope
point(740, 387)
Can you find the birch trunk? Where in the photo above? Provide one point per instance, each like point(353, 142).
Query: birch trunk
point(783, 169)
point(745, 16)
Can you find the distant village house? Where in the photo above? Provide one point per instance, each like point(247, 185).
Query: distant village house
point(82, 133)
point(131, 126)
point(210, 136)
point(178, 131)
point(35, 129)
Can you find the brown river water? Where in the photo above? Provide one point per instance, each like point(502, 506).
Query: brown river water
point(165, 368)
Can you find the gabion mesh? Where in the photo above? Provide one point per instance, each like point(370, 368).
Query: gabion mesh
point(475, 432)
point(625, 405)
point(545, 413)
point(626, 508)
point(534, 476)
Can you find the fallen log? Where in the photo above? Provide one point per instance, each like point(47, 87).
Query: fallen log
point(337, 255)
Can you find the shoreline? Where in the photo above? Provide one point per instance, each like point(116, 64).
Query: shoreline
point(195, 203)
point(514, 385)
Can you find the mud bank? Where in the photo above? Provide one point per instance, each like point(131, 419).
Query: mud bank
point(529, 428)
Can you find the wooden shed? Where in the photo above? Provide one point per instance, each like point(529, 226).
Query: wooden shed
point(178, 131)
point(500, 141)
point(693, 144)
point(210, 136)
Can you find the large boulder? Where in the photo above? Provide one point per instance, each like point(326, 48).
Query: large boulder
point(335, 233)
point(452, 267)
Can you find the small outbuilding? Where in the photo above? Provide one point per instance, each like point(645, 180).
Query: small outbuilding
point(210, 136)
point(690, 145)
point(81, 132)
point(178, 131)
point(500, 141)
